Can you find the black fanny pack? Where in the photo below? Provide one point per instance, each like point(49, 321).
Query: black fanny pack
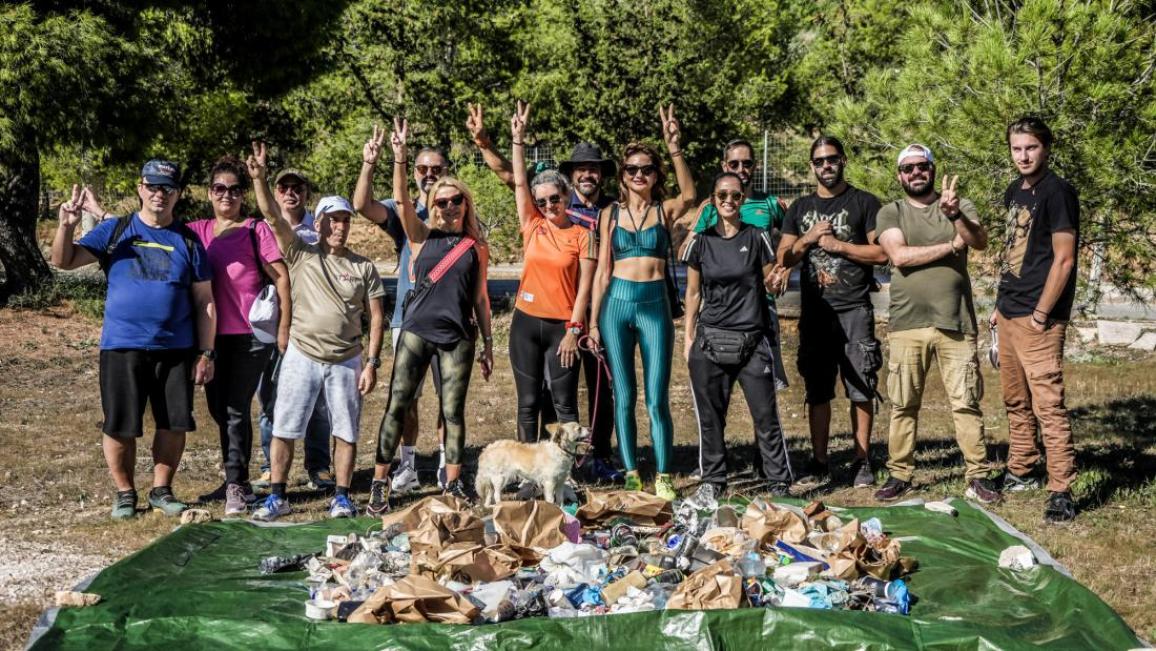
point(727, 347)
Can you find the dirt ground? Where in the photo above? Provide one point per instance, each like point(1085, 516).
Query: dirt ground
point(55, 530)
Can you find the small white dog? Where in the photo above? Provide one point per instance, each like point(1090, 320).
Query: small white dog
point(546, 463)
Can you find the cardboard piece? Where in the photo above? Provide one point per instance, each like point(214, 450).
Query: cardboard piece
point(415, 599)
point(612, 592)
point(713, 587)
point(471, 563)
point(410, 517)
point(766, 524)
point(73, 599)
point(638, 507)
point(534, 524)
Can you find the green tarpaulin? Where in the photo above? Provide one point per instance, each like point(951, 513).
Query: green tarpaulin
point(199, 588)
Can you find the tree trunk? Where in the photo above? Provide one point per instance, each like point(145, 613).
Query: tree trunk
point(24, 264)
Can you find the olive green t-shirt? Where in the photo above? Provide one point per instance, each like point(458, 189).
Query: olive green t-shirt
point(936, 294)
point(330, 295)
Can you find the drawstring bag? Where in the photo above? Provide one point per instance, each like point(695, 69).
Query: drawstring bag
point(265, 312)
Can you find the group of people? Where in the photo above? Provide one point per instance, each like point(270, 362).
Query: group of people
point(598, 283)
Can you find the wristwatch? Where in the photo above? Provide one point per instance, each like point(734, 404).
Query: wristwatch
point(209, 354)
point(375, 362)
point(954, 217)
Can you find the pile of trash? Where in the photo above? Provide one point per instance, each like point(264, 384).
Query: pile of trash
point(442, 561)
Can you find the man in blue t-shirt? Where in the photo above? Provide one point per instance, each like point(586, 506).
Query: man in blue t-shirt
point(430, 165)
point(159, 329)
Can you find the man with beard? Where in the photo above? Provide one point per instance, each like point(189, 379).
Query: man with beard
point(932, 319)
point(430, 165)
point(586, 170)
point(1033, 305)
point(832, 231)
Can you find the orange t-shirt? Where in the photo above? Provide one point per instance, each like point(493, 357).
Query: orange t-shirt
point(550, 268)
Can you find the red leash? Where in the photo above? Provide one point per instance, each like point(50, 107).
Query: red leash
point(589, 345)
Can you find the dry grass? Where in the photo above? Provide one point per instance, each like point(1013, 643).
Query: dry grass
point(57, 490)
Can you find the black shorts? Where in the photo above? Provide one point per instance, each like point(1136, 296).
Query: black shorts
point(130, 379)
point(838, 343)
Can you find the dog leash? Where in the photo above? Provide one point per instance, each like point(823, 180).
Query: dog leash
point(589, 345)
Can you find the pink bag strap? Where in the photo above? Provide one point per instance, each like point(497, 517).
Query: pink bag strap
point(450, 258)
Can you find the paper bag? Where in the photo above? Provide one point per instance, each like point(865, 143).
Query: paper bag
point(765, 523)
point(534, 524)
point(716, 586)
point(640, 508)
point(415, 599)
point(471, 563)
point(410, 517)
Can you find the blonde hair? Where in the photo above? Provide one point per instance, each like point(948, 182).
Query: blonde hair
point(471, 225)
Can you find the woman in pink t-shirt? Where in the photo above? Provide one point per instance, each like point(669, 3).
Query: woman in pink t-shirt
point(244, 257)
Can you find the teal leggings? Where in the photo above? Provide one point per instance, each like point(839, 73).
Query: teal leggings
point(638, 313)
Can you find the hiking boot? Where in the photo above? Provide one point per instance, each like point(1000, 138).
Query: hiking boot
point(603, 471)
point(779, 489)
point(1060, 507)
point(235, 503)
point(378, 498)
point(124, 505)
point(264, 480)
point(1013, 483)
point(664, 487)
point(893, 490)
point(405, 481)
point(321, 480)
point(983, 491)
point(341, 507)
point(632, 482)
point(863, 475)
point(163, 500)
point(272, 508)
point(705, 498)
point(815, 474)
point(457, 488)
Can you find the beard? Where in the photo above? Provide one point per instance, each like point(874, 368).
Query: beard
point(919, 188)
point(832, 181)
point(427, 182)
point(587, 188)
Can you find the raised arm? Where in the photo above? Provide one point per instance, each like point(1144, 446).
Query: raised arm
point(257, 164)
point(678, 205)
point(65, 254)
point(602, 274)
point(475, 124)
point(971, 232)
point(523, 199)
point(415, 229)
point(363, 201)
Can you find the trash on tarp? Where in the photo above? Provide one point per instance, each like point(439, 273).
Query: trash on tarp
point(1017, 557)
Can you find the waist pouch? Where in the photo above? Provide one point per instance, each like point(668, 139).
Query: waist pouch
point(727, 347)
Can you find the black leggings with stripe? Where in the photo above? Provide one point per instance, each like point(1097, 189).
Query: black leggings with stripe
point(534, 358)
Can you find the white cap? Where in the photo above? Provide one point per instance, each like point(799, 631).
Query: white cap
point(915, 149)
point(332, 203)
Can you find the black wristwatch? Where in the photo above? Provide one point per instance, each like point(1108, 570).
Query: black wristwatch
point(375, 362)
point(955, 217)
point(209, 354)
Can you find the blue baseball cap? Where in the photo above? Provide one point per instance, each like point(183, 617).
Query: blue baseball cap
point(161, 172)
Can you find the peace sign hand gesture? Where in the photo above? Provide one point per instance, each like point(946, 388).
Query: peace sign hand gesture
point(519, 120)
point(476, 125)
point(948, 199)
point(371, 152)
point(397, 139)
point(258, 161)
point(70, 213)
point(671, 130)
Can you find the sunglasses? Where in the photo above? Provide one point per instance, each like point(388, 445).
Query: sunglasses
point(737, 164)
point(732, 195)
point(296, 188)
point(911, 167)
point(427, 170)
point(548, 201)
point(634, 170)
point(220, 190)
point(457, 200)
point(821, 161)
point(163, 190)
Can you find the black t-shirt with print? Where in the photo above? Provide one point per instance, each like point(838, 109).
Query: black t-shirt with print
point(838, 281)
point(734, 297)
point(1033, 215)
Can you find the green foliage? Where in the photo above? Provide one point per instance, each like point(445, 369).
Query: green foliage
point(85, 292)
point(496, 211)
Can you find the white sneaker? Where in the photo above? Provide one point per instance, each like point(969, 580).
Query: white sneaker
point(341, 507)
point(272, 508)
point(405, 481)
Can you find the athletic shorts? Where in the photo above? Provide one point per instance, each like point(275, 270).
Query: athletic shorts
point(300, 383)
point(838, 344)
point(395, 334)
point(130, 379)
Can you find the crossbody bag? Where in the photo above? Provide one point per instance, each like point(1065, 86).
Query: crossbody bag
point(421, 289)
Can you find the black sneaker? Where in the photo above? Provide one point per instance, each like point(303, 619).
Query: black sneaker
point(893, 490)
point(779, 489)
point(1013, 483)
point(378, 497)
point(1060, 507)
point(983, 491)
point(217, 495)
point(815, 474)
point(457, 488)
point(862, 474)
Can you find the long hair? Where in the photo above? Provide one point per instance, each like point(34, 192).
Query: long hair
point(658, 192)
point(471, 224)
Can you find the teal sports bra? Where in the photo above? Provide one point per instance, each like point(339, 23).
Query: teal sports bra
point(652, 242)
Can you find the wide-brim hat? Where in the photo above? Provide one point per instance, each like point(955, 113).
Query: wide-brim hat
point(586, 153)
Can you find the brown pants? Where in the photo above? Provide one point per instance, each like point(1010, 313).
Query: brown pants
point(1031, 370)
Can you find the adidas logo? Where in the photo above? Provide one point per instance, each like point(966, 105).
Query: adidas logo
point(766, 370)
point(743, 250)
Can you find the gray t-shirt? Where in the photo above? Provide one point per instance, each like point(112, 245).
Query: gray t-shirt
point(936, 294)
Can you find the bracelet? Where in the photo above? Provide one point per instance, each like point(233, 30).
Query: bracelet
point(365, 162)
point(1034, 319)
point(676, 153)
point(519, 144)
point(400, 162)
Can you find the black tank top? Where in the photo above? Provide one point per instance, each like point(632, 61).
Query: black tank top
point(443, 314)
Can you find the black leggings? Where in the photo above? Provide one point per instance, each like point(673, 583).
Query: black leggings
point(240, 361)
point(410, 362)
point(534, 357)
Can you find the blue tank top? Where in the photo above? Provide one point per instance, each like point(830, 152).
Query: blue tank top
point(653, 242)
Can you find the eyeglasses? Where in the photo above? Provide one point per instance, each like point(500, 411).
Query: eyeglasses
point(821, 161)
point(164, 190)
point(737, 164)
point(548, 201)
point(732, 195)
point(220, 190)
point(911, 167)
point(430, 170)
point(634, 170)
point(296, 188)
point(457, 200)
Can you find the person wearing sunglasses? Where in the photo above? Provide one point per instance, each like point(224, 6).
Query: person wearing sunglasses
point(926, 236)
point(632, 307)
point(443, 315)
point(243, 254)
point(586, 169)
point(158, 313)
point(550, 309)
point(832, 232)
point(730, 270)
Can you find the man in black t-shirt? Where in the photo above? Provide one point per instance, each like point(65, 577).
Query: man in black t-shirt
point(1036, 287)
point(833, 233)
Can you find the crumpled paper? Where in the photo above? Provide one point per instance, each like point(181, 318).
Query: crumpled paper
point(715, 586)
point(415, 599)
point(640, 508)
point(766, 523)
point(471, 563)
point(410, 517)
point(533, 524)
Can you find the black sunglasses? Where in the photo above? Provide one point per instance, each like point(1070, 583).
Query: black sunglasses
point(911, 167)
point(548, 201)
point(220, 189)
point(153, 188)
point(633, 170)
point(457, 200)
point(833, 159)
point(732, 195)
point(736, 164)
point(427, 170)
point(296, 188)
